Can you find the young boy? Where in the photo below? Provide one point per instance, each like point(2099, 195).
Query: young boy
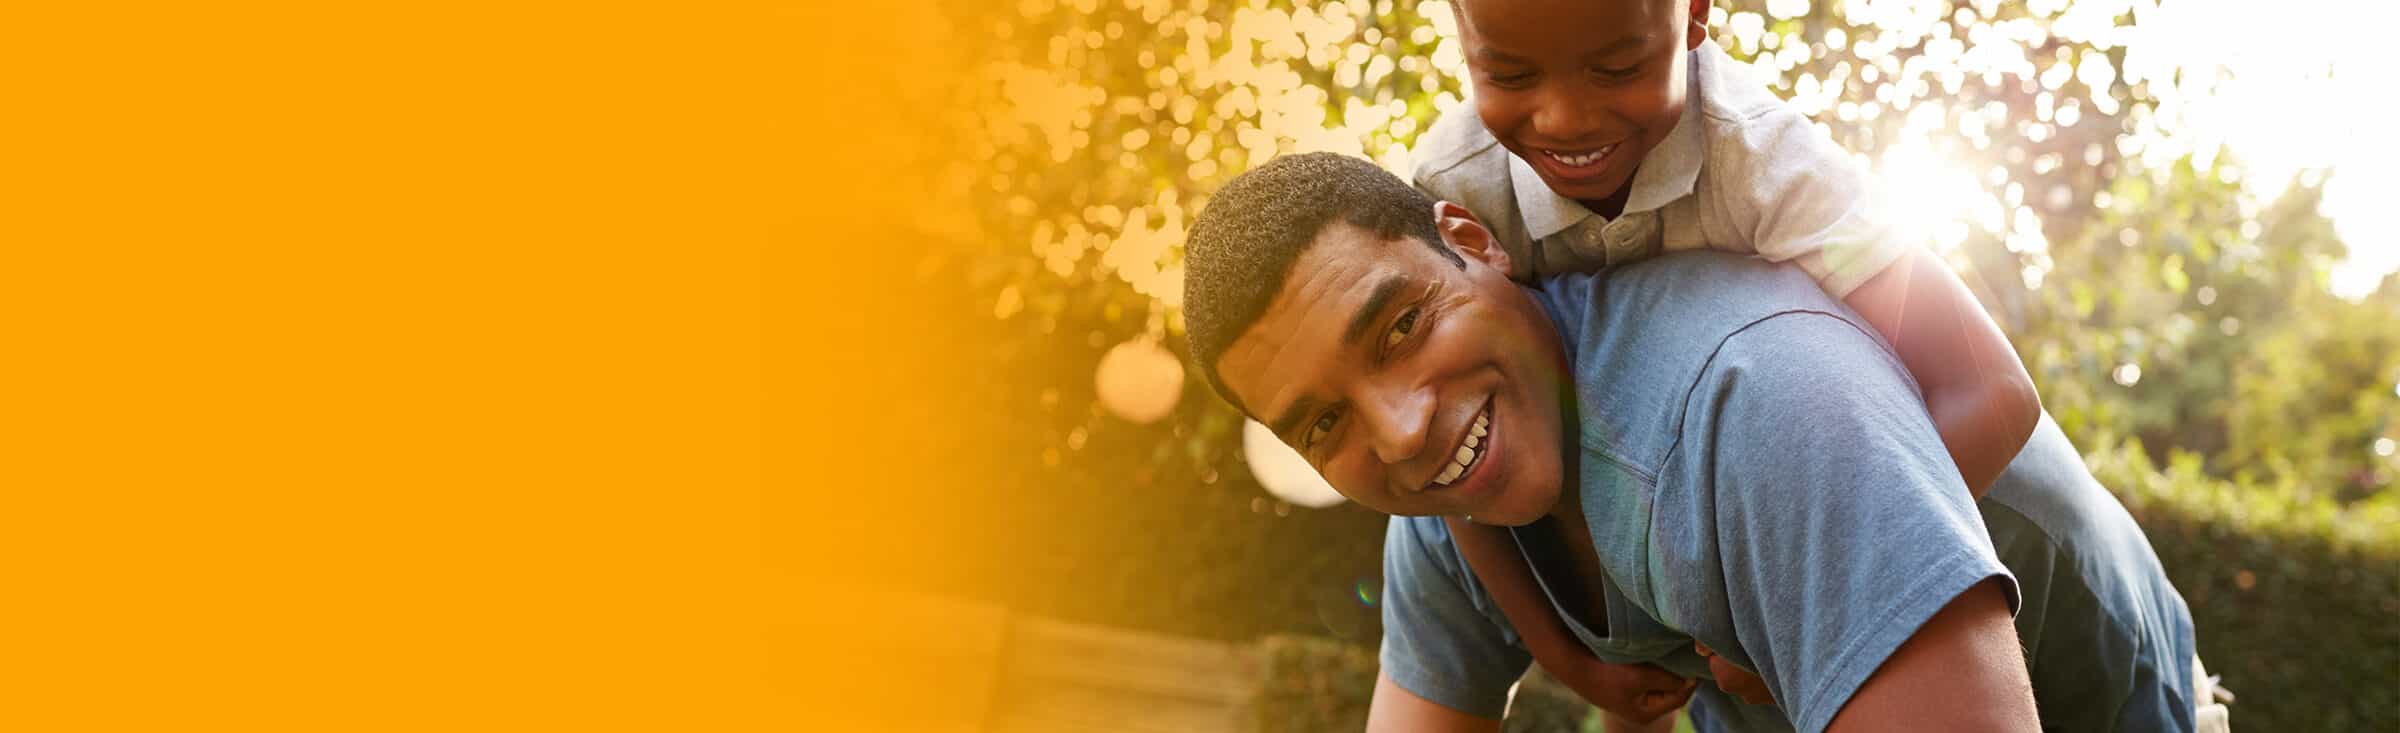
point(1607, 131)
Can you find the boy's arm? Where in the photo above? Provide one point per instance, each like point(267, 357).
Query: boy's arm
point(1982, 401)
point(1640, 693)
point(1791, 194)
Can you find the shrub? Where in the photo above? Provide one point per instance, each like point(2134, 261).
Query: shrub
point(2297, 602)
point(1312, 684)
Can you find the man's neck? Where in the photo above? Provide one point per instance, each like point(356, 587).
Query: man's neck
point(1568, 508)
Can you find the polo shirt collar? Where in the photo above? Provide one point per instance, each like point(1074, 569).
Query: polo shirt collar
point(1666, 175)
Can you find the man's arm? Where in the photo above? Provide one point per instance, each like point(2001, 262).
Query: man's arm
point(1396, 710)
point(1976, 388)
point(1439, 643)
point(1966, 656)
point(1827, 515)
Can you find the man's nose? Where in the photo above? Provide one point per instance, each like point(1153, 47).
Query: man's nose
point(1398, 417)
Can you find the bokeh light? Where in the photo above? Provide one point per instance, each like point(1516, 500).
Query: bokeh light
point(1281, 470)
point(1140, 381)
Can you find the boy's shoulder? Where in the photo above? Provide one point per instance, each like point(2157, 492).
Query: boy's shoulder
point(1457, 148)
point(1730, 92)
point(1755, 143)
point(1458, 160)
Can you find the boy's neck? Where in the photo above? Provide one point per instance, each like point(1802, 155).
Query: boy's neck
point(1614, 206)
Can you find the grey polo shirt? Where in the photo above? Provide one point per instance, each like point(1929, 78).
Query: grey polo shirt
point(1742, 172)
point(1762, 477)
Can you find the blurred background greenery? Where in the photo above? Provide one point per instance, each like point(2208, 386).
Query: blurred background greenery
point(2177, 227)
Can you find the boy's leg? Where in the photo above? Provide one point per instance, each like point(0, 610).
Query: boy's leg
point(2209, 713)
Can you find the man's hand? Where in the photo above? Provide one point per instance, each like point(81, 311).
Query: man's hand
point(1734, 680)
point(1636, 692)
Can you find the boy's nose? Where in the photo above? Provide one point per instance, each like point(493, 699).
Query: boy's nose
point(1565, 115)
point(1398, 419)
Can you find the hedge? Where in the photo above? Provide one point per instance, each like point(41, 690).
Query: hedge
point(1311, 684)
point(2296, 602)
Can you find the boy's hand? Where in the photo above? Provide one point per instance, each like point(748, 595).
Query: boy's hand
point(1637, 692)
point(1734, 680)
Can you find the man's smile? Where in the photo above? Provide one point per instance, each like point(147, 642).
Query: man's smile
point(1467, 453)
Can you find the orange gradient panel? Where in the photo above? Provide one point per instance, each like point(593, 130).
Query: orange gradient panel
point(403, 367)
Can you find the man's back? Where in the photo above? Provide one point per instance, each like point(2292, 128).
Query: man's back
point(2102, 626)
point(1758, 475)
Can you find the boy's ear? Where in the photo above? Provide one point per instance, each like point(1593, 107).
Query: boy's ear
point(1698, 31)
point(1466, 235)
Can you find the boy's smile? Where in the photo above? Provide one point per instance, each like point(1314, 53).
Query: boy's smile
point(1581, 90)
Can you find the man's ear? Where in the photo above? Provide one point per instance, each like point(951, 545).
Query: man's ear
point(1698, 28)
point(1466, 235)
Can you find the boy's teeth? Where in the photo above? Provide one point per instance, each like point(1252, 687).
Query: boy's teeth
point(1581, 160)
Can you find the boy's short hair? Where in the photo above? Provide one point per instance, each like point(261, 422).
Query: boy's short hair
point(1243, 244)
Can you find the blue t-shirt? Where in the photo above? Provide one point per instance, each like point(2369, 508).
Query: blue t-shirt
point(1759, 474)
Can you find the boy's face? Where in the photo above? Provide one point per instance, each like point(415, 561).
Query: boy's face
point(1381, 361)
point(1580, 89)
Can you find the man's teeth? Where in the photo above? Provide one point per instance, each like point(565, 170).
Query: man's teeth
point(1578, 160)
point(1467, 453)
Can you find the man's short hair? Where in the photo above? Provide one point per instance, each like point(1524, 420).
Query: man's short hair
point(1243, 244)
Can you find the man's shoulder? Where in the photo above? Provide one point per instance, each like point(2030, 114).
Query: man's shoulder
point(1641, 336)
point(1700, 296)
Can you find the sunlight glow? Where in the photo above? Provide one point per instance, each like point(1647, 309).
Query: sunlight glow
point(1932, 199)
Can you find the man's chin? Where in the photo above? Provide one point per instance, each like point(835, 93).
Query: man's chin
point(1517, 507)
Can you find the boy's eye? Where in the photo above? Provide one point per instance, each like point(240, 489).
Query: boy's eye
point(1618, 73)
point(1321, 429)
point(1510, 80)
point(1406, 324)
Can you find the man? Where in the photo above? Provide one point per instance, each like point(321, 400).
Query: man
point(1699, 451)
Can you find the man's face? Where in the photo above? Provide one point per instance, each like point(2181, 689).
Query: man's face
point(1580, 90)
point(1414, 386)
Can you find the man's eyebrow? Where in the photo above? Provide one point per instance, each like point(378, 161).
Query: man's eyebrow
point(1384, 292)
point(1291, 417)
